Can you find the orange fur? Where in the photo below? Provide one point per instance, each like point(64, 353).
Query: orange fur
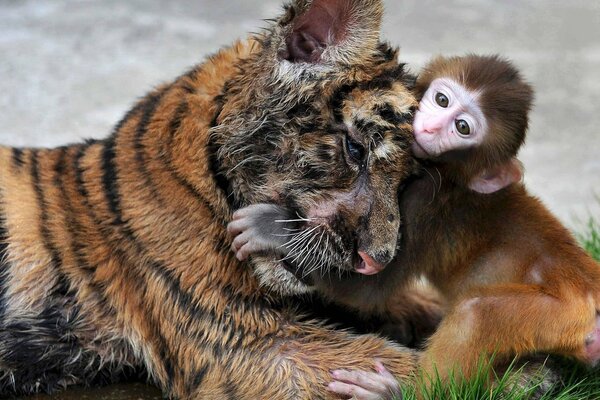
point(522, 285)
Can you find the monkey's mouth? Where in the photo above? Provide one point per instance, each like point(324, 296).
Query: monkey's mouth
point(419, 151)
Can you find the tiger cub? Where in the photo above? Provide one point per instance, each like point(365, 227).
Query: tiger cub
point(115, 254)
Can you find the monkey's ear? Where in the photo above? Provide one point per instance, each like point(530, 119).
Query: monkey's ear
point(498, 178)
point(334, 30)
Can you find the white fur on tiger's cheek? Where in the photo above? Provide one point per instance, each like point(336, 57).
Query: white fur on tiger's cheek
point(275, 278)
point(384, 150)
point(289, 73)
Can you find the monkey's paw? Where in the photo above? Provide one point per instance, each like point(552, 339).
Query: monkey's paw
point(366, 385)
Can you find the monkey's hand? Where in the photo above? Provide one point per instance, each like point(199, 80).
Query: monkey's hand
point(363, 385)
point(260, 228)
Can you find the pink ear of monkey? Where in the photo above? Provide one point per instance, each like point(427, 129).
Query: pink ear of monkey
point(498, 178)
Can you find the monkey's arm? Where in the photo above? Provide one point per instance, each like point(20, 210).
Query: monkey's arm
point(511, 320)
point(261, 228)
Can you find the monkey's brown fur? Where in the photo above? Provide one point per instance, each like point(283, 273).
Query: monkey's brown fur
point(515, 280)
point(115, 253)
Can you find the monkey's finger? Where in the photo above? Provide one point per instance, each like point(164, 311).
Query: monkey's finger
point(241, 213)
point(239, 241)
point(237, 226)
point(245, 251)
point(379, 367)
point(249, 210)
point(370, 381)
point(388, 379)
point(353, 391)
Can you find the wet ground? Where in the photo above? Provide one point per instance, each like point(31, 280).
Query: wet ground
point(70, 69)
point(131, 391)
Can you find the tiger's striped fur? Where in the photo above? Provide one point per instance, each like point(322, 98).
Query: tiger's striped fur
point(114, 253)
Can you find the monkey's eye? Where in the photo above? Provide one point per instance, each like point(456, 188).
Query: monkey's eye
point(462, 127)
point(355, 150)
point(442, 100)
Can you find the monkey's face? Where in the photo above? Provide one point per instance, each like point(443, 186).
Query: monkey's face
point(449, 118)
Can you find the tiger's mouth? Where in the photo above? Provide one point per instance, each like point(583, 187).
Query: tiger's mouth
point(330, 255)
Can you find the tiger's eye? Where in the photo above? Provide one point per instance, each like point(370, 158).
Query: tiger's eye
point(463, 127)
point(355, 150)
point(441, 100)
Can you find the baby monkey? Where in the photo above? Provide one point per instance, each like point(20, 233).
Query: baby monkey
point(514, 278)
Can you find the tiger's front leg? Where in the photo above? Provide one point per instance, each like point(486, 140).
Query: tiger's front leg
point(299, 365)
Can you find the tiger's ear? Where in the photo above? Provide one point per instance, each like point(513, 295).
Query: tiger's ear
point(334, 31)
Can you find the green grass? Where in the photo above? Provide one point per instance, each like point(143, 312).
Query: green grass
point(590, 239)
point(578, 381)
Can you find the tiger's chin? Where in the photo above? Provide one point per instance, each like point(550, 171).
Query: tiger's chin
point(281, 277)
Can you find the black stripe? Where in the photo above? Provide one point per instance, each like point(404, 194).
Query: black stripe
point(337, 101)
point(130, 114)
point(188, 80)
point(174, 126)
point(73, 226)
point(212, 151)
point(79, 171)
point(161, 347)
point(198, 378)
point(389, 53)
point(388, 77)
point(109, 180)
point(148, 110)
point(230, 391)
point(391, 116)
point(62, 285)
point(75, 231)
point(175, 123)
point(17, 158)
point(3, 263)
point(219, 102)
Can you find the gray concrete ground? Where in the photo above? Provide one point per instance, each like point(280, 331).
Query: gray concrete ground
point(70, 68)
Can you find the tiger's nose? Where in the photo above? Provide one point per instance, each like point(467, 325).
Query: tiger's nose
point(368, 265)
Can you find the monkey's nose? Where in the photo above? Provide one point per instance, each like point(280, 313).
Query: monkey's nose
point(368, 265)
point(432, 126)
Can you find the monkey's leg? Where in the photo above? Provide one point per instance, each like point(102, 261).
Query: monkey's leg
point(507, 321)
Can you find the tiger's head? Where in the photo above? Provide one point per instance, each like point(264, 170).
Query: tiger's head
point(319, 119)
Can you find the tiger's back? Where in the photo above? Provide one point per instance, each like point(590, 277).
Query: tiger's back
point(89, 239)
point(116, 253)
